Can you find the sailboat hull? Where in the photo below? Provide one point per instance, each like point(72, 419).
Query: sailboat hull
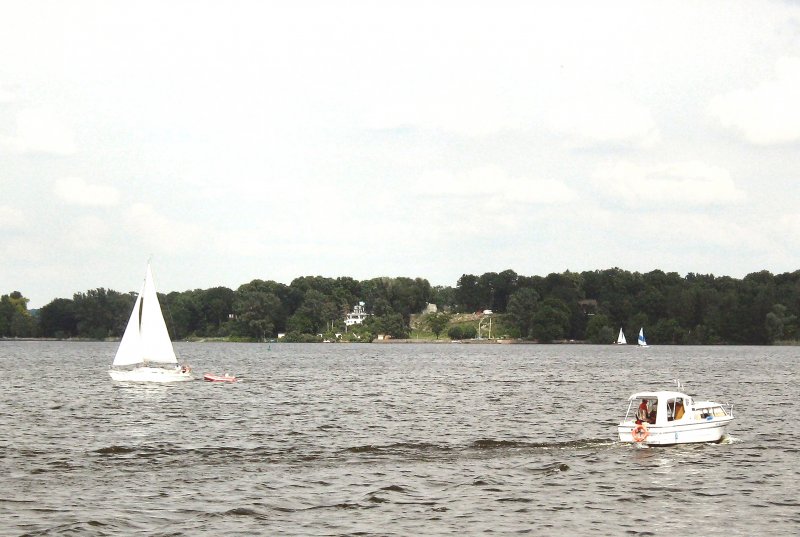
point(150, 374)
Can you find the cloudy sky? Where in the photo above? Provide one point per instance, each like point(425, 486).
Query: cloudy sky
point(238, 140)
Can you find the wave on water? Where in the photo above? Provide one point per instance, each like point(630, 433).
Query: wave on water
point(168, 451)
point(516, 444)
point(399, 447)
point(245, 512)
point(115, 450)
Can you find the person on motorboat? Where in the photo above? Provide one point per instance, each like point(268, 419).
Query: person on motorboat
point(643, 413)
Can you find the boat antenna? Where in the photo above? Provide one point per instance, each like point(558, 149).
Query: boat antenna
point(678, 384)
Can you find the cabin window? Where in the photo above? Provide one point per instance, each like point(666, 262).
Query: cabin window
point(675, 408)
point(646, 411)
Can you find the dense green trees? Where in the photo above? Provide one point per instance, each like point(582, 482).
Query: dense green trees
point(15, 320)
point(761, 308)
point(437, 322)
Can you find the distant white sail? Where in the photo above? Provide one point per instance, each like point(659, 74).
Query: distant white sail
point(642, 342)
point(621, 338)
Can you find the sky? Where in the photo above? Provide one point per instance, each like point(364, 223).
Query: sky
point(242, 140)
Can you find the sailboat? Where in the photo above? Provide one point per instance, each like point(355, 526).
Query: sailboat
point(145, 353)
point(642, 342)
point(621, 338)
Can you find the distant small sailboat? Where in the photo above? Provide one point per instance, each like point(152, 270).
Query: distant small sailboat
point(642, 342)
point(146, 344)
point(621, 338)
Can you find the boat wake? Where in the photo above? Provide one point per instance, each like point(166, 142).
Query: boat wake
point(569, 444)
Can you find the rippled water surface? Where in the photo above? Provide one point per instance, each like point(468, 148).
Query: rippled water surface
point(391, 440)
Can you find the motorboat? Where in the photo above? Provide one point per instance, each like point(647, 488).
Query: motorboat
point(210, 377)
point(663, 418)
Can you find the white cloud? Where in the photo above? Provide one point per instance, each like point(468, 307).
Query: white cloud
point(7, 94)
point(485, 202)
point(790, 224)
point(608, 119)
point(41, 131)
point(687, 183)
point(11, 217)
point(699, 229)
point(768, 113)
point(495, 185)
point(87, 232)
point(76, 191)
point(152, 230)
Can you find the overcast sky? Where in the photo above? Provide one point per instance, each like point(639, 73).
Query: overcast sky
point(252, 139)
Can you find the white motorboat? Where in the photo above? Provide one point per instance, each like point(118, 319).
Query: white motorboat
point(667, 417)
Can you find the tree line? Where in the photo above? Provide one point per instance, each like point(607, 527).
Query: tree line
point(760, 308)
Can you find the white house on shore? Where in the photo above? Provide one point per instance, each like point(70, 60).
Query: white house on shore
point(357, 316)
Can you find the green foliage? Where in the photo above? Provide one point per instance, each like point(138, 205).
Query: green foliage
point(298, 337)
point(761, 308)
point(102, 313)
point(437, 322)
point(391, 324)
point(551, 321)
point(58, 320)
point(15, 320)
point(462, 331)
point(257, 310)
point(522, 307)
point(444, 298)
point(216, 306)
point(599, 330)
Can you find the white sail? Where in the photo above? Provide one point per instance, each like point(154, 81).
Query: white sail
point(641, 341)
point(621, 338)
point(156, 345)
point(130, 348)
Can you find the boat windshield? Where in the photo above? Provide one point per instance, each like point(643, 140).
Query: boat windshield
point(642, 410)
point(675, 408)
point(708, 412)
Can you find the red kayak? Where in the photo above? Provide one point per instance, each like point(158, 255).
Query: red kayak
point(210, 377)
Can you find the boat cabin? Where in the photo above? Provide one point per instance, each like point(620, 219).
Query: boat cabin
point(666, 418)
point(665, 408)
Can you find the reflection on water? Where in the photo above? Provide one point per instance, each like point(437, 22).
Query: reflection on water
point(377, 439)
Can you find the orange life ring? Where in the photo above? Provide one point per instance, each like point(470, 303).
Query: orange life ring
point(640, 432)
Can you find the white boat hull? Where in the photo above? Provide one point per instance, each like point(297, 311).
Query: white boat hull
point(707, 431)
point(150, 374)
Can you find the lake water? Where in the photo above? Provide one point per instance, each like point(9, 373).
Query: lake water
point(392, 440)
